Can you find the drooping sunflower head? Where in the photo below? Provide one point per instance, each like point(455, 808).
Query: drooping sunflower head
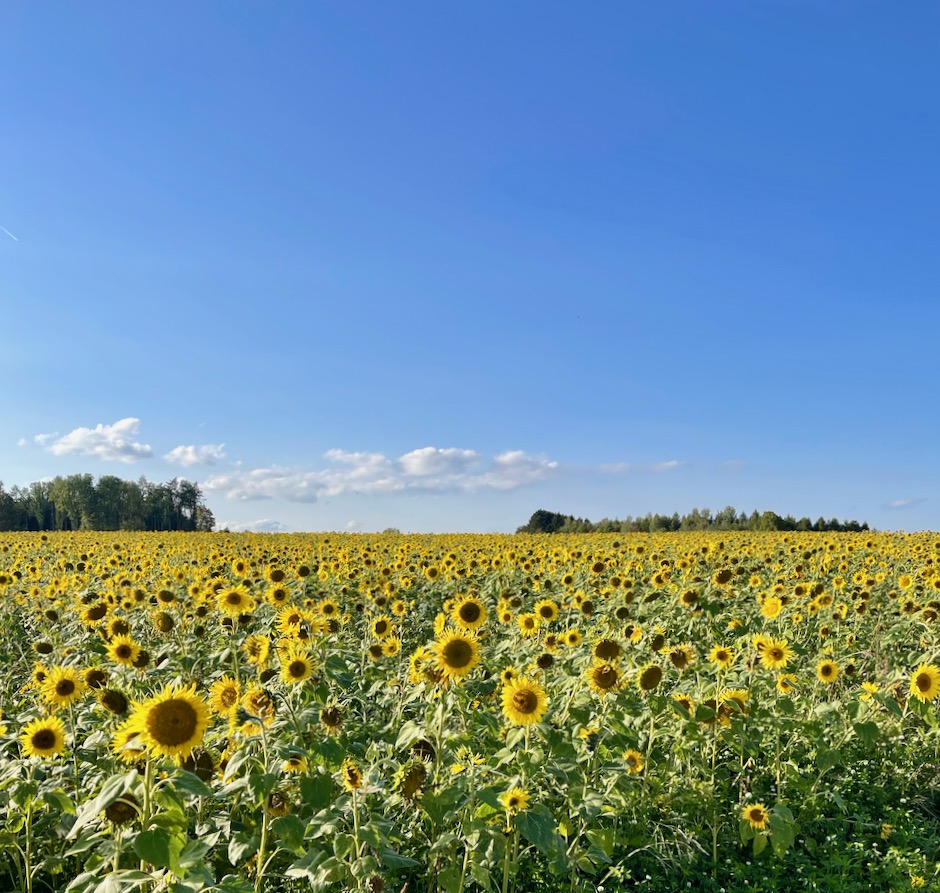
point(650, 677)
point(681, 657)
point(351, 775)
point(603, 678)
point(410, 779)
point(607, 651)
point(331, 718)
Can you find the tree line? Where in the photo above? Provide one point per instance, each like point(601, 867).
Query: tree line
point(728, 518)
point(78, 502)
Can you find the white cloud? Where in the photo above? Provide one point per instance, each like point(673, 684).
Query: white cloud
point(668, 465)
point(43, 439)
point(904, 503)
point(265, 525)
point(111, 442)
point(428, 470)
point(207, 454)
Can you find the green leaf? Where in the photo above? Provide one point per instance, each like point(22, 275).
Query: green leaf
point(158, 847)
point(290, 830)
point(868, 732)
point(111, 790)
point(538, 827)
point(242, 846)
point(189, 783)
point(760, 843)
point(390, 859)
point(317, 791)
point(59, 801)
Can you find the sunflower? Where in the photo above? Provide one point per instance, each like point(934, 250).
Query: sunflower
point(786, 683)
point(547, 610)
point(469, 613)
point(528, 624)
point(224, 695)
point(681, 656)
point(172, 723)
point(634, 761)
point(327, 608)
point(456, 654)
point(391, 646)
point(382, 626)
point(351, 775)
point(126, 743)
point(572, 637)
point(775, 654)
point(63, 686)
point(508, 674)
point(827, 671)
point(756, 815)
point(331, 719)
point(606, 651)
point(295, 764)
point(113, 701)
point(256, 649)
point(771, 607)
point(925, 682)
point(234, 601)
point(123, 650)
point(296, 665)
point(514, 800)
point(277, 595)
point(650, 677)
point(603, 678)
point(44, 737)
point(524, 702)
point(721, 656)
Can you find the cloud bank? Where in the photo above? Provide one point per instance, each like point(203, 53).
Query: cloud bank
point(425, 470)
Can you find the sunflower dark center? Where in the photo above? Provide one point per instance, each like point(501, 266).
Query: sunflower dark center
point(44, 739)
point(64, 688)
point(923, 682)
point(525, 701)
point(172, 723)
point(469, 612)
point(457, 654)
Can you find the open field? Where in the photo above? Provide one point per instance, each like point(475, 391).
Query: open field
point(194, 712)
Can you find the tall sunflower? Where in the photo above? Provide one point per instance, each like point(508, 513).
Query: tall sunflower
point(925, 682)
point(123, 650)
point(775, 654)
point(296, 665)
point(63, 686)
point(469, 613)
point(172, 723)
point(524, 702)
point(44, 737)
point(456, 654)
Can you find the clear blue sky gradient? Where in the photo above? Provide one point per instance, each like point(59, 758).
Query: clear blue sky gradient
point(662, 255)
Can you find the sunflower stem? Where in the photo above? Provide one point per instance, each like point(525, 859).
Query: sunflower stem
point(146, 805)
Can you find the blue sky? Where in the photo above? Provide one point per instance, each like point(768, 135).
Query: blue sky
point(437, 265)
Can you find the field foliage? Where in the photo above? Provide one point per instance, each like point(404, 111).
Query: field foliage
point(195, 712)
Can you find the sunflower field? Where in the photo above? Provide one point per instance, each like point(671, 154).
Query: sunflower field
point(242, 712)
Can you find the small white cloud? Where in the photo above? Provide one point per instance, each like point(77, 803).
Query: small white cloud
point(110, 442)
point(207, 454)
point(43, 439)
point(904, 503)
point(432, 461)
point(22, 442)
point(668, 465)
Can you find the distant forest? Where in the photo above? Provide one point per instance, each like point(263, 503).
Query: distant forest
point(78, 502)
point(728, 518)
